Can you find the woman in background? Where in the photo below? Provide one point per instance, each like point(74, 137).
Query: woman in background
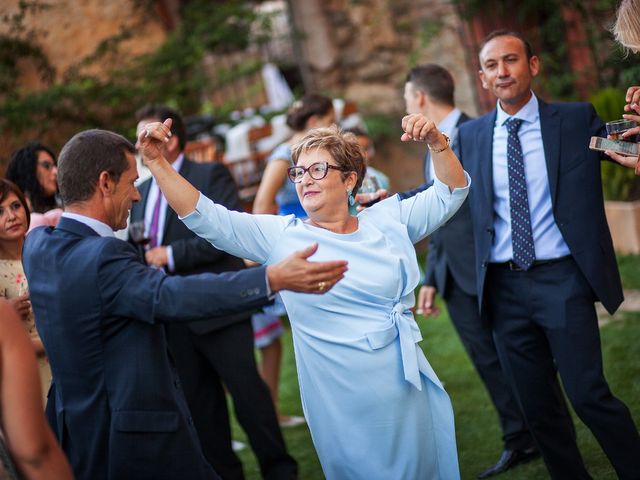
point(277, 195)
point(34, 170)
point(14, 224)
point(32, 448)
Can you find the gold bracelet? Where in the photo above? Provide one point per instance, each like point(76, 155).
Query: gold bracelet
point(446, 138)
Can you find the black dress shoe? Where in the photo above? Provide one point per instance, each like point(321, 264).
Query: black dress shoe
point(509, 459)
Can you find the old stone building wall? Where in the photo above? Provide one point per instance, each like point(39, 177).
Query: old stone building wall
point(363, 49)
point(70, 30)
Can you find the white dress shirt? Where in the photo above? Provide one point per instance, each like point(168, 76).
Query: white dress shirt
point(152, 197)
point(548, 241)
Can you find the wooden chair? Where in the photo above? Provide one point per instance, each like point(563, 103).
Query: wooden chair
point(201, 151)
point(247, 172)
point(349, 109)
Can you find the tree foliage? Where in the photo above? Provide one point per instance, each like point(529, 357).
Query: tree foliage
point(80, 99)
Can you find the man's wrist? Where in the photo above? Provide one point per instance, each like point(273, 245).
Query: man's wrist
point(270, 274)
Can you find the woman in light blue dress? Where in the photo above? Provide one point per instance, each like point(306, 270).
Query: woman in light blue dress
point(375, 407)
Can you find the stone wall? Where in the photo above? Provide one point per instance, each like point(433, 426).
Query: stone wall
point(363, 49)
point(70, 30)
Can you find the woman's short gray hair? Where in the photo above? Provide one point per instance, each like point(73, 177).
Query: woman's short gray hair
point(342, 147)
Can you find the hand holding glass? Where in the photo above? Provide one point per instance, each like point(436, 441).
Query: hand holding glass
point(138, 233)
point(368, 193)
point(616, 128)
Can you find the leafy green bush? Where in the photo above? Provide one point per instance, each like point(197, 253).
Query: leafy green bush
point(617, 182)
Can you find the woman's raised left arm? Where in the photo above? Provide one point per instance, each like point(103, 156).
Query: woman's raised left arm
point(447, 167)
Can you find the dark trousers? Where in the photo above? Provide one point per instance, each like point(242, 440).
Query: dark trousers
point(226, 357)
point(477, 340)
point(544, 323)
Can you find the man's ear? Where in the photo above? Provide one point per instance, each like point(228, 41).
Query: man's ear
point(534, 65)
point(106, 185)
point(173, 145)
point(484, 83)
point(422, 99)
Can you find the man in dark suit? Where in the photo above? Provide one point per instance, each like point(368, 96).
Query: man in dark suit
point(116, 402)
point(210, 355)
point(543, 256)
point(450, 269)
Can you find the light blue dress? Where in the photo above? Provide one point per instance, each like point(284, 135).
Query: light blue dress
point(374, 406)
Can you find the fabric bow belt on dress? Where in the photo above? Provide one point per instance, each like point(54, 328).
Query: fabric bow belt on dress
point(404, 326)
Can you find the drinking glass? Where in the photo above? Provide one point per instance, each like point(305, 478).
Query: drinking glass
point(368, 191)
point(616, 128)
point(138, 233)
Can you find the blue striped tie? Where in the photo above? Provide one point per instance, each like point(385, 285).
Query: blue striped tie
point(524, 253)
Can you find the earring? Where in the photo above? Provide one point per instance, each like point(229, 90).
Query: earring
point(350, 198)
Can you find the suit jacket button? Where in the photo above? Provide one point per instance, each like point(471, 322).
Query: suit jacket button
point(484, 264)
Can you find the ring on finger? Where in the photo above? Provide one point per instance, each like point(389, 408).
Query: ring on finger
point(322, 286)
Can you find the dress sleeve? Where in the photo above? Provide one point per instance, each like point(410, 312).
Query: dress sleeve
point(431, 208)
point(241, 234)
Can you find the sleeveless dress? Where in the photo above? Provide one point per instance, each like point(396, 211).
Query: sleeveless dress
point(13, 283)
point(374, 406)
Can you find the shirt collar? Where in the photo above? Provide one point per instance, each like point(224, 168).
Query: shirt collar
point(529, 113)
point(100, 228)
point(448, 123)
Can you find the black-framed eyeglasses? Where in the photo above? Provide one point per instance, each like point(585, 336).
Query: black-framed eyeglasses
point(317, 171)
point(47, 165)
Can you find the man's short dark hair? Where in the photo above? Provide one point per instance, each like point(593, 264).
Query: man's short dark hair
point(508, 33)
point(161, 113)
point(84, 157)
point(434, 80)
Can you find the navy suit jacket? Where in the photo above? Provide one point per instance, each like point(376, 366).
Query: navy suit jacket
point(119, 408)
point(575, 188)
point(192, 254)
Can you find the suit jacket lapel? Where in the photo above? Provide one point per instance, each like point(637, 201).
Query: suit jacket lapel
point(550, 124)
point(484, 143)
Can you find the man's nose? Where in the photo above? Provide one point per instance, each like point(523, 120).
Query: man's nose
point(503, 71)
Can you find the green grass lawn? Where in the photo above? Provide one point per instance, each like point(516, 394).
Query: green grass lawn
point(629, 266)
point(477, 428)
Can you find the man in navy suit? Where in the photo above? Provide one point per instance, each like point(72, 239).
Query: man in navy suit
point(116, 402)
point(214, 354)
point(450, 270)
point(543, 257)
